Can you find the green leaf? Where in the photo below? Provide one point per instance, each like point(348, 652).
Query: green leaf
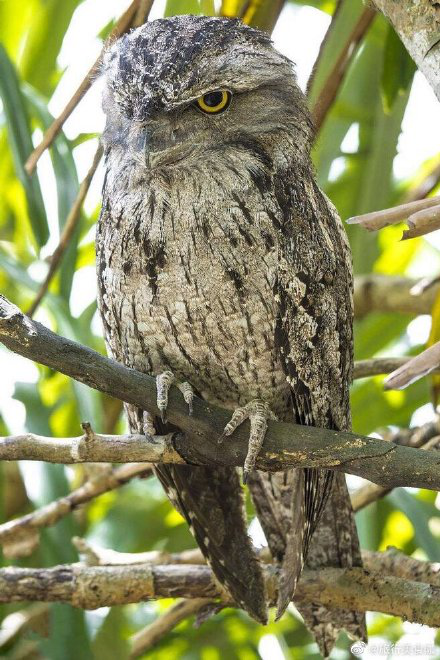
point(50, 20)
point(398, 69)
point(419, 515)
point(21, 144)
point(176, 7)
point(67, 185)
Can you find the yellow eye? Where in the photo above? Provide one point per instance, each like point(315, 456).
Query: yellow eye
point(214, 102)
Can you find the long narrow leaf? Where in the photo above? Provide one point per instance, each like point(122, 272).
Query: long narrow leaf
point(19, 133)
point(66, 181)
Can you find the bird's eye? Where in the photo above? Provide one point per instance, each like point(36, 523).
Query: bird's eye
point(214, 102)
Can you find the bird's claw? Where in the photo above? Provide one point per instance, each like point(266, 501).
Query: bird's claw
point(163, 383)
point(258, 414)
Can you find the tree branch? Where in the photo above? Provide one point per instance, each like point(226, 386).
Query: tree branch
point(378, 366)
point(286, 445)
point(417, 22)
point(20, 537)
point(71, 224)
point(330, 89)
point(149, 636)
point(100, 586)
point(382, 293)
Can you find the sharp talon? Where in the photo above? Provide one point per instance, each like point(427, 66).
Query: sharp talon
point(258, 413)
point(188, 395)
point(163, 384)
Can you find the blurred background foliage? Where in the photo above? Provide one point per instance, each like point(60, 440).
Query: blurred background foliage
point(370, 104)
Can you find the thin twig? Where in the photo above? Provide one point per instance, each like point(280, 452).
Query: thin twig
point(20, 537)
point(94, 555)
point(332, 85)
point(123, 25)
point(426, 187)
point(149, 636)
point(410, 372)
point(71, 224)
point(322, 47)
point(378, 366)
point(397, 563)
point(379, 219)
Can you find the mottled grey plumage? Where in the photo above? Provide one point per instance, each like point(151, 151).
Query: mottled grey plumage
point(221, 260)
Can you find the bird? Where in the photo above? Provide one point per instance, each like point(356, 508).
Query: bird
point(224, 269)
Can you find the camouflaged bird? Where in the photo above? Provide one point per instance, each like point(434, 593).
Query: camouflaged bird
point(223, 267)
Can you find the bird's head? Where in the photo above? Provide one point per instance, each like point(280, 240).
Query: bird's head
point(192, 89)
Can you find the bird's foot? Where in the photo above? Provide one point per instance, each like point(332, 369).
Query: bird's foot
point(163, 384)
point(258, 413)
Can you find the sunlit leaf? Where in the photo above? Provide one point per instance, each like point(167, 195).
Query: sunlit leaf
point(21, 144)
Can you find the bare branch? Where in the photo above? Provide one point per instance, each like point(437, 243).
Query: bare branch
point(382, 293)
point(417, 24)
point(333, 83)
point(99, 586)
point(422, 223)
point(380, 219)
point(142, 13)
point(93, 555)
point(71, 224)
point(377, 366)
point(425, 437)
point(123, 25)
point(394, 562)
point(20, 537)
point(416, 368)
point(322, 47)
point(35, 617)
point(286, 445)
point(149, 636)
point(426, 186)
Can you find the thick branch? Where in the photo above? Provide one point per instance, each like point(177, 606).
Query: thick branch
point(286, 445)
point(382, 293)
point(93, 587)
point(391, 562)
point(417, 22)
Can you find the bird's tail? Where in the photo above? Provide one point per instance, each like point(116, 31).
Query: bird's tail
point(334, 543)
point(211, 500)
point(307, 518)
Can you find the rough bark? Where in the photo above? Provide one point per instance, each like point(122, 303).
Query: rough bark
point(417, 22)
point(93, 587)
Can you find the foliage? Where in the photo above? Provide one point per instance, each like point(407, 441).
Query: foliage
point(372, 101)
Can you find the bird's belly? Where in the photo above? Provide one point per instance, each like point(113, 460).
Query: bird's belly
point(209, 329)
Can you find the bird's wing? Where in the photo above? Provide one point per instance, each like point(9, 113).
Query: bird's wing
point(314, 344)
